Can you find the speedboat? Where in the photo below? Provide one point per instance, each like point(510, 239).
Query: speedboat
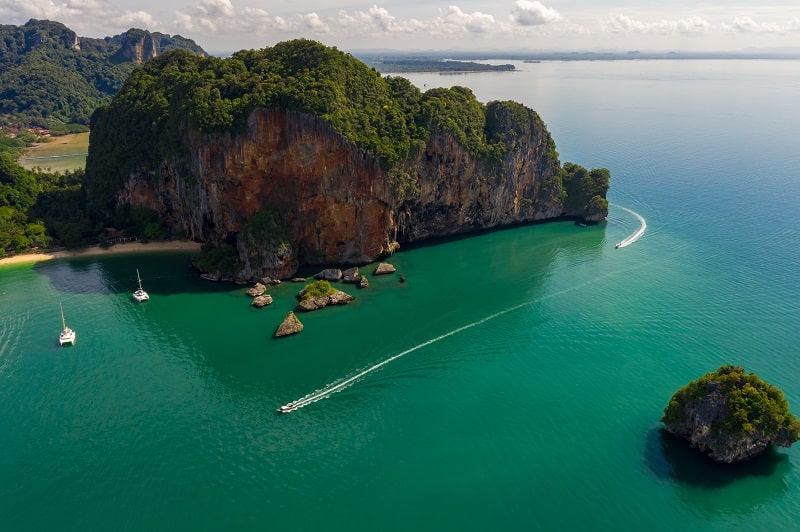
point(618, 245)
point(286, 408)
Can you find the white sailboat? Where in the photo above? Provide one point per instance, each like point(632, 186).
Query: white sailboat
point(140, 295)
point(67, 335)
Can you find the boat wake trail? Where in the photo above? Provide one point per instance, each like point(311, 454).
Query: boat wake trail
point(636, 235)
point(338, 386)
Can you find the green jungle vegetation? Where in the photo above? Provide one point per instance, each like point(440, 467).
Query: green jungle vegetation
point(47, 82)
point(584, 189)
point(51, 78)
point(753, 405)
point(177, 91)
point(37, 207)
point(40, 209)
point(321, 288)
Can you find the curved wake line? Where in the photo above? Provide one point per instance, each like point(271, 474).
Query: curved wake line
point(636, 235)
point(339, 386)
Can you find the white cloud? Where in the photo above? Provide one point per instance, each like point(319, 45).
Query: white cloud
point(234, 24)
point(456, 21)
point(620, 23)
point(748, 25)
point(138, 19)
point(85, 17)
point(527, 13)
point(313, 22)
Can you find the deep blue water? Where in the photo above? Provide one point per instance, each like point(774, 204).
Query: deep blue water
point(527, 368)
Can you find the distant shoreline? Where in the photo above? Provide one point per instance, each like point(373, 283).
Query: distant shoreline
point(97, 251)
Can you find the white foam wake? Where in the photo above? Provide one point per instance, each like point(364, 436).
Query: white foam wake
point(338, 386)
point(636, 235)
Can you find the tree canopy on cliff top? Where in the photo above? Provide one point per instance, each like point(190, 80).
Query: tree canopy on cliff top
point(46, 80)
point(752, 404)
point(386, 117)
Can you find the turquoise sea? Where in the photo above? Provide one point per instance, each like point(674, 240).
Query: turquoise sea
point(520, 376)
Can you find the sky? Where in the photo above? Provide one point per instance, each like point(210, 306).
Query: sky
point(221, 26)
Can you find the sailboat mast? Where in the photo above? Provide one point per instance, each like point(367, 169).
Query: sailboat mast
point(139, 278)
point(63, 323)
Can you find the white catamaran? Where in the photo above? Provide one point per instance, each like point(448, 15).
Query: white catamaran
point(140, 295)
point(67, 335)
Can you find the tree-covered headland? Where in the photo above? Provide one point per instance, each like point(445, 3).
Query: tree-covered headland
point(51, 78)
point(386, 117)
point(178, 91)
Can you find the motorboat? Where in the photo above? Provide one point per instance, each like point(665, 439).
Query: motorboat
point(286, 408)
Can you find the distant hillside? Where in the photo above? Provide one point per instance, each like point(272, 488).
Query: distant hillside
point(50, 77)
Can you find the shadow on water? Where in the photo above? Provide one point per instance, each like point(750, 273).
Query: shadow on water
point(162, 274)
point(712, 487)
point(169, 273)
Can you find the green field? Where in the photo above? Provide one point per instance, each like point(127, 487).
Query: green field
point(59, 154)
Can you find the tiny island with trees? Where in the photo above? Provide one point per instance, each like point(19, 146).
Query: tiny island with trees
point(731, 415)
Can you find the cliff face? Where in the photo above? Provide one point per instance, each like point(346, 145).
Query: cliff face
point(701, 421)
point(337, 204)
point(458, 193)
point(138, 47)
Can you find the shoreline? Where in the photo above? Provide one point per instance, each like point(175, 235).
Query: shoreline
point(97, 251)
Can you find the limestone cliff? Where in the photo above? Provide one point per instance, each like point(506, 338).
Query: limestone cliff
point(138, 46)
point(338, 205)
point(302, 155)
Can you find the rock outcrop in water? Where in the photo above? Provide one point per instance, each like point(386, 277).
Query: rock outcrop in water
point(731, 416)
point(290, 325)
point(293, 186)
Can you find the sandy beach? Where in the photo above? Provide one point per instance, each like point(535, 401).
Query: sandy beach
point(128, 247)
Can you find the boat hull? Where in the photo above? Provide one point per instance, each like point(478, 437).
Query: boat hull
point(67, 337)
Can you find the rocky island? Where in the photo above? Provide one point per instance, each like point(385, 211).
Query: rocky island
point(731, 416)
point(300, 154)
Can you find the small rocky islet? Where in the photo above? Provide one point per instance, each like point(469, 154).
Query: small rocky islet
point(731, 416)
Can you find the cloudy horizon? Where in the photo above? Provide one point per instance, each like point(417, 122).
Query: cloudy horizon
point(413, 25)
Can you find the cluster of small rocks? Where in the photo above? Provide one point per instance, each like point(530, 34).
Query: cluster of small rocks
point(291, 324)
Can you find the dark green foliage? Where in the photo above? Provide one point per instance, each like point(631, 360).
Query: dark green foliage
point(455, 111)
point(319, 288)
point(61, 206)
point(144, 223)
point(402, 182)
point(37, 208)
point(585, 189)
point(752, 404)
point(220, 259)
point(265, 226)
point(49, 77)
